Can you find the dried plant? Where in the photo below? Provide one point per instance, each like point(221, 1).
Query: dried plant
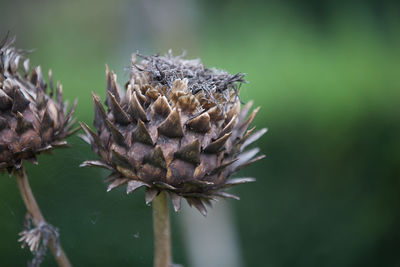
point(38, 238)
point(31, 122)
point(178, 128)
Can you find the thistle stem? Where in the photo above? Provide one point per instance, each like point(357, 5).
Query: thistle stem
point(34, 211)
point(162, 231)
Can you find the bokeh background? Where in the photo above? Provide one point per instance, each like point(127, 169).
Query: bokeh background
point(327, 76)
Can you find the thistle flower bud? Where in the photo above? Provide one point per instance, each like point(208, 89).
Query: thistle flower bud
point(177, 127)
point(31, 121)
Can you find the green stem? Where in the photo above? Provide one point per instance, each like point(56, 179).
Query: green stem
point(162, 231)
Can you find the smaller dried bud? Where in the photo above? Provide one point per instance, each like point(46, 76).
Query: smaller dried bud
point(31, 121)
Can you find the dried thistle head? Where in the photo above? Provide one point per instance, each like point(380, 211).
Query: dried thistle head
point(177, 127)
point(31, 121)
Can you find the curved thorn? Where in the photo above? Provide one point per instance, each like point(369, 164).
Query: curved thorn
point(236, 181)
point(116, 183)
point(133, 185)
point(20, 102)
point(96, 163)
point(254, 137)
point(100, 115)
point(136, 110)
point(200, 124)
point(119, 114)
point(227, 195)
point(245, 110)
point(141, 134)
point(246, 156)
point(237, 168)
point(151, 193)
point(172, 126)
point(116, 135)
point(198, 204)
point(161, 107)
point(22, 124)
point(230, 125)
point(218, 144)
point(5, 101)
point(176, 200)
point(190, 152)
point(156, 158)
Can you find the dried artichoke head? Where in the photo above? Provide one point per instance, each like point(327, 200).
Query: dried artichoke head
point(176, 126)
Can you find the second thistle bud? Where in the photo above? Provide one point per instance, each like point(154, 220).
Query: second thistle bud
point(31, 121)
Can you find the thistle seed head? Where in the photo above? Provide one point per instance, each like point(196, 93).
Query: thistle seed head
point(31, 121)
point(176, 126)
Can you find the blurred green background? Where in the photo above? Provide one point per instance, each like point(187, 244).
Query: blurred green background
point(327, 76)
